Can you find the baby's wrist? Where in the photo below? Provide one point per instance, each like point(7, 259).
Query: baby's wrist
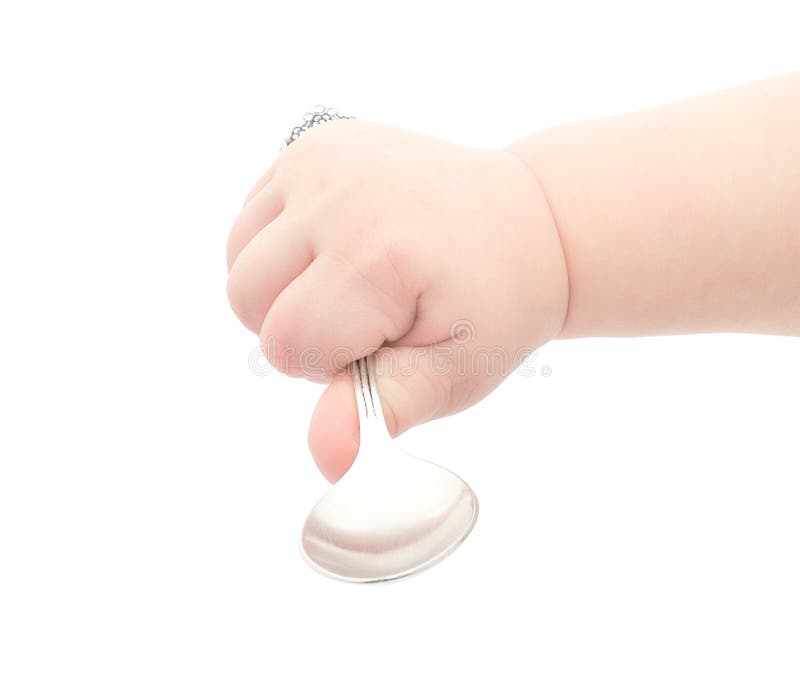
point(550, 263)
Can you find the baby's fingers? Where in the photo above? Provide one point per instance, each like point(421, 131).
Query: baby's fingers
point(329, 316)
point(271, 261)
point(261, 210)
point(261, 182)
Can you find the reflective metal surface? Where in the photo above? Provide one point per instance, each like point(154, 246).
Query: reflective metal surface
point(391, 514)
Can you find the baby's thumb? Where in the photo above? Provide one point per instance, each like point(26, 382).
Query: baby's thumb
point(415, 386)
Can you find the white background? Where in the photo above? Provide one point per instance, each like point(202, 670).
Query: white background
point(640, 521)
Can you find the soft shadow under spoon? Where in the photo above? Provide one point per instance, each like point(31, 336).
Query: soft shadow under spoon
point(391, 514)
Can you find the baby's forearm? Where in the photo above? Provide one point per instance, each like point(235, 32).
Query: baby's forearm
point(684, 218)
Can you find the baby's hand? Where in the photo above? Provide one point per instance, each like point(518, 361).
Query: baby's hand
point(362, 237)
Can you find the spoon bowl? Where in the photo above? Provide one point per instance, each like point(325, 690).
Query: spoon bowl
point(391, 514)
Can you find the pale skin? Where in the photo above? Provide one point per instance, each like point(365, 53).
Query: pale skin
point(680, 219)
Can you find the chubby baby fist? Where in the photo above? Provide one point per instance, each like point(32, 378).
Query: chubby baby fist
point(363, 237)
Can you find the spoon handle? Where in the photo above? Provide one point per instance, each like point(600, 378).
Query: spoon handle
point(368, 401)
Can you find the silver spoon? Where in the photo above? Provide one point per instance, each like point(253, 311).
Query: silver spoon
point(391, 514)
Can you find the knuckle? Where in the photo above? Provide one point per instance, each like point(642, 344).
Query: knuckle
point(277, 345)
point(241, 302)
point(286, 346)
